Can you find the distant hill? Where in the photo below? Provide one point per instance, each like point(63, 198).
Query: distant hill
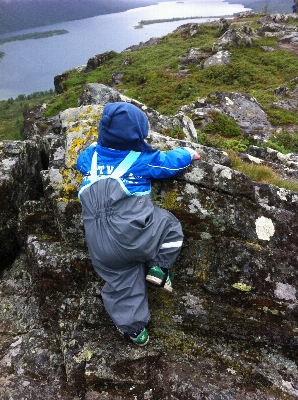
point(272, 6)
point(16, 15)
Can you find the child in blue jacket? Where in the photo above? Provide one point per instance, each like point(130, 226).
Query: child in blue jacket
point(129, 239)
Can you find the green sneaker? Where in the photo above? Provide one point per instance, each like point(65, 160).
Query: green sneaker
point(140, 337)
point(156, 276)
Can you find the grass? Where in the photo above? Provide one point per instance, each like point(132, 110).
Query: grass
point(262, 173)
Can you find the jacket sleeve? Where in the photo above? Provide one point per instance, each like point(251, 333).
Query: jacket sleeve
point(165, 164)
point(84, 160)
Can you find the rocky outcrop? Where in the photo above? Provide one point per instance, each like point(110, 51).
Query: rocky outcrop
point(221, 57)
point(99, 59)
point(60, 79)
point(232, 38)
point(20, 166)
point(148, 43)
point(285, 166)
point(228, 331)
point(240, 107)
point(179, 124)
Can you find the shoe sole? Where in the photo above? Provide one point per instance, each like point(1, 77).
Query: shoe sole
point(140, 344)
point(157, 282)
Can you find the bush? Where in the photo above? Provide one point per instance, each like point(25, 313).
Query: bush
point(222, 125)
point(284, 142)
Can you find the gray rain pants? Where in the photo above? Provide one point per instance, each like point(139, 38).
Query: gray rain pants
point(125, 234)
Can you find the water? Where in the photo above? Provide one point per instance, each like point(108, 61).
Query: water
point(31, 65)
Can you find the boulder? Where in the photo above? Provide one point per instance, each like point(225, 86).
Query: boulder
point(228, 331)
point(231, 38)
point(61, 78)
point(189, 29)
point(222, 57)
point(98, 60)
point(96, 93)
point(240, 107)
point(193, 56)
point(151, 42)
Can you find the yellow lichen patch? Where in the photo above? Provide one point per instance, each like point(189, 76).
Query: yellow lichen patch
point(69, 188)
point(71, 181)
point(256, 245)
point(74, 150)
point(241, 286)
point(84, 355)
point(202, 274)
point(252, 244)
point(79, 136)
point(170, 201)
point(90, 113)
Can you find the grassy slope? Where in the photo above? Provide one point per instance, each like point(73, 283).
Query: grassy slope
point(151, 74)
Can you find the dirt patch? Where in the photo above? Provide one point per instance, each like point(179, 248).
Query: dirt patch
point(289, 47)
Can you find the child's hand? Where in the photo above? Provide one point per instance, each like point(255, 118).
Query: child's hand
point(196, 156)
point(193, 154)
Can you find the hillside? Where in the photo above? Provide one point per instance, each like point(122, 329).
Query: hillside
point(168, 73)
point(272, 7)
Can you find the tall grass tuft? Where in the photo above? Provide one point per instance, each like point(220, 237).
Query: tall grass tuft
point(262, 173)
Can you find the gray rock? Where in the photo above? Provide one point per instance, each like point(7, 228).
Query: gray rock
point(148, 43)
point(268, 48)
point(192, 56)
point(222, 57)
point(96, 93)
point(285, 166)
point(20, 166)
point(242, 108)
point(99, 59)
point(232, 38)
point(188, 29)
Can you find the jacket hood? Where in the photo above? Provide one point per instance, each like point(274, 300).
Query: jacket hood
point(123, 126)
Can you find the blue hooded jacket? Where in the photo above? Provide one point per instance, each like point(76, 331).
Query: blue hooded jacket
point(123, 127)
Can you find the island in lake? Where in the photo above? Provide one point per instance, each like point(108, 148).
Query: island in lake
point(159, 21)
point(33, 35)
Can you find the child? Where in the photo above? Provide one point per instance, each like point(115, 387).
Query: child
point(125, 233)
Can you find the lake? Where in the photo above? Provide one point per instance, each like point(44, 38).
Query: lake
point(31, 65)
